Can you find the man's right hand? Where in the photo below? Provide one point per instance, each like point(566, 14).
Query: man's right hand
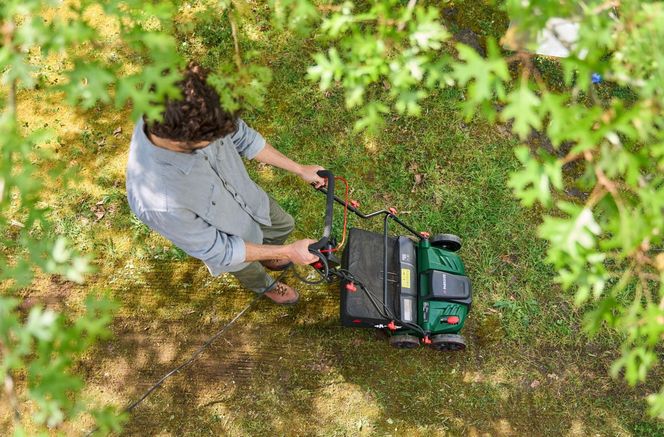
point(298, 252)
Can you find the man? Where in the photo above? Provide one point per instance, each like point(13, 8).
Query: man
point(186, 180)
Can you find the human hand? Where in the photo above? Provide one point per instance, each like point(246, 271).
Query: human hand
point(309, 174)
point(298, 252)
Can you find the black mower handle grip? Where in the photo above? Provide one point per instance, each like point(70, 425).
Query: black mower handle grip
point(329, 206)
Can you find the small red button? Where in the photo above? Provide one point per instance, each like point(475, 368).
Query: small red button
point(452, 320)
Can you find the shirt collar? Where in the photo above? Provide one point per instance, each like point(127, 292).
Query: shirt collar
point(182, 161)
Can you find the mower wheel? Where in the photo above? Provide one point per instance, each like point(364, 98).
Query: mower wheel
point(404, 341)
point(448, 342)
point(446, 241)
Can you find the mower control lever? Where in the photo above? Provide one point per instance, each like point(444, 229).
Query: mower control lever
point(327, 230)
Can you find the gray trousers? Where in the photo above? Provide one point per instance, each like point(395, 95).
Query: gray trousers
point(254, 276)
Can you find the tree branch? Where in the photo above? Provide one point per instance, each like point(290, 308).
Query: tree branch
point(409, 11)
point(7, 30)
point(236, 43)
point(11, 395)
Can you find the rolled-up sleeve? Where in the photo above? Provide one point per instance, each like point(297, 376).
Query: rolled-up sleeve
point(247, 141)
point(219, 251)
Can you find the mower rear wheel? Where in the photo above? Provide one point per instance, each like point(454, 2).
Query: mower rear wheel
point(448, 342)
point(404, 341)
point(449, 242)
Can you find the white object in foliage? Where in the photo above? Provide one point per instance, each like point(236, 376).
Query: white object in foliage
point(557, 39)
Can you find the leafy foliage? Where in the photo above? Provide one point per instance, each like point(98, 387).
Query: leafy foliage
point(50, 380)
point(43, 345)
point(604, 142)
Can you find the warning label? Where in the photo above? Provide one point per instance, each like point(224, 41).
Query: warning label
point(405, 278)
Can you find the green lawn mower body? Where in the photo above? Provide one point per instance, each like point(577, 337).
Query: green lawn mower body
point(413, 287)
point(426, 287)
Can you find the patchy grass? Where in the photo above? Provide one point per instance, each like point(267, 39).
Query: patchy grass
point(294, 371)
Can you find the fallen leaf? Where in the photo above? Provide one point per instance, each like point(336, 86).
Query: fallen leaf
point(509, 259)
point(16, 223)
point(553, 376)
point(418, 180)
point(117, 131)
point(98, 210)
point(99, 214)
point(534, 384)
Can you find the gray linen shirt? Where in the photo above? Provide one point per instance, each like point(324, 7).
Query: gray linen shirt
point(204, 201)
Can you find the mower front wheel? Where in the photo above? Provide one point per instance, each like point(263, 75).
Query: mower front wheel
point(448, 342)
point(449, 242)
point(404, 341)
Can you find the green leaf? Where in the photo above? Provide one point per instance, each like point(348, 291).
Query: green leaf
point(532, 182)
point(60, 252)
point(523, 108)
point(41, 324)
point(372, 117)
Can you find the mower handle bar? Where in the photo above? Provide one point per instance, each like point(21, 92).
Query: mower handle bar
point(360, 214)
point(329, 209)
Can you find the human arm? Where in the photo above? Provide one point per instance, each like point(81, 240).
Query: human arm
point(308, 173)
point(252, 145)
point(191, 233)
point(297, 252)
point(219, 251)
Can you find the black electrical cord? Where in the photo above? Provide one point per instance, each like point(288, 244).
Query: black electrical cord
point(385, 311)
point(324, 274)
point(198, 351)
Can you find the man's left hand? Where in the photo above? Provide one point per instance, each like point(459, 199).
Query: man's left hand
point(309, 175)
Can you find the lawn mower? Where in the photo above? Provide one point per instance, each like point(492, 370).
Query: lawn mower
point(414, 287)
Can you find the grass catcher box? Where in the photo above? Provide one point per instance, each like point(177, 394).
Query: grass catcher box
point(363, 258)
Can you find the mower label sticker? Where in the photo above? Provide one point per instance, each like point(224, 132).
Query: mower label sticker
point(405, 278)
point(408, 310)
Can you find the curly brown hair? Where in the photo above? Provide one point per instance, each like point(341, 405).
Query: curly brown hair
point(197, 116)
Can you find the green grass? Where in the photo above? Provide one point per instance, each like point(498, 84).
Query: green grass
point(295, 371)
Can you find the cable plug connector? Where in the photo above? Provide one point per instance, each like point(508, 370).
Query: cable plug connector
point(351, 287)
point(425, 234)
point(392, 326)
point(392, 210)
point(426, 340)
point(354, 203)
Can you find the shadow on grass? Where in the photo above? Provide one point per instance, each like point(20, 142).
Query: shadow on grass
point(295, 371)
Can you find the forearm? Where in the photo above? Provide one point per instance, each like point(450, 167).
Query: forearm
point(264, 252)
point(297, 252)
point(270, 155)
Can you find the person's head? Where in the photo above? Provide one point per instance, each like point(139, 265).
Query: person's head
point(197, 117)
